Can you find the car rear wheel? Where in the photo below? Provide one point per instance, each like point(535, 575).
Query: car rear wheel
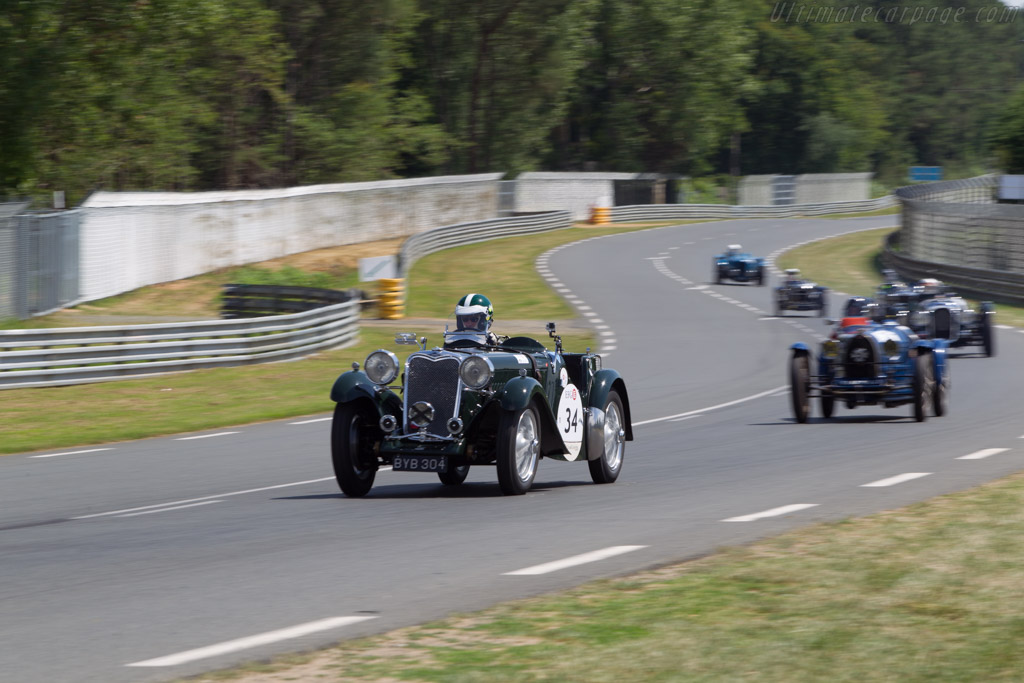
point(828, 404)
point(605, 470)
point(716, 275)
point(351, 450)
point(454, 476)
point(921, 385)
point(760, 276)
point(988, 340)
point(518, 450)
point(800, 386)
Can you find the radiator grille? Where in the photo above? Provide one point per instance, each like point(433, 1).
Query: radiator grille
point(860, 359)
point(941, 323)
point(435, 380)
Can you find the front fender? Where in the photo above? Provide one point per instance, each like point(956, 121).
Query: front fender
point(520, 392)
point(355, 386)
point(604, 381)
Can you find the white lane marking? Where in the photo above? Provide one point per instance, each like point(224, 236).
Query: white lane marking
point(267, 638)
point(606, 349)
point(306, 422)
point(774, 512)
point(219, 495)
point(204, 436)
point(898, 479)
point(1005, 327)
point(720, 405)
point(590, 314)
point(688, 417)
point(607, 333)
point(575, 560)
point(984, 453)
point(688, 243)
point(56, 455)
point(176, 507)
point(769, 318)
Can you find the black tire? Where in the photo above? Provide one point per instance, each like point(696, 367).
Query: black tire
point(778, 307)
point(940, 395)
point(605, 470)
point(988, 339)
point(761, 279)
point(800, 386)
point(352, 433)
point(518, 450)
point(828, 404)
point(922, 385)
point(454, 476)
point(717, 274)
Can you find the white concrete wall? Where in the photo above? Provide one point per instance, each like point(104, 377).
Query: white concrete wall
point(574, 192)
point(134, 239)
point(756, 190)
point(815, 188)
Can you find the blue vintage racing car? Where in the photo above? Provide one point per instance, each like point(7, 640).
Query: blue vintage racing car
point(871, 363)
point(797, 294)
point(739, 266)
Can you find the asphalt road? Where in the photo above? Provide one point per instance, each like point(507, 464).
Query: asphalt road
point(151, 560)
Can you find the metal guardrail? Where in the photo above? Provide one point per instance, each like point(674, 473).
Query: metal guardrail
point(429, 241)
point(254, 301)
point(655, 212)
point(80, 355)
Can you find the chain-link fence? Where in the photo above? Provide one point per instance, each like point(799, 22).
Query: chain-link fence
point(11, 298)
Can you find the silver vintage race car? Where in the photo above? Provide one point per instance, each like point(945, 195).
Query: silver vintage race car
point(941, 314)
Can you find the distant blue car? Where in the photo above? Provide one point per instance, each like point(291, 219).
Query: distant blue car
point(871, 363)
point(739, 266)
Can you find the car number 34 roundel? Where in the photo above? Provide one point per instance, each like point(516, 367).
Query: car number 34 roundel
point(570, 420)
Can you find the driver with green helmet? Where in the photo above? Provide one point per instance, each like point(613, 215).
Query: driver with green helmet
point(473, 317)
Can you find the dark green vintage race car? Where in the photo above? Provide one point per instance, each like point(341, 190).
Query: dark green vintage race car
point(505, 403)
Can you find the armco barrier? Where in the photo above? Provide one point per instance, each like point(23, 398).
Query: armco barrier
point(665, 212)
point(418, 246)
point(79, 355)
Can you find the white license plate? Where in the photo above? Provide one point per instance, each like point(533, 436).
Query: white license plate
point(420, 463)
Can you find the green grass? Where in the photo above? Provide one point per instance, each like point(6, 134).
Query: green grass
point(852, 264)
point(927, 593)
point(503, 270)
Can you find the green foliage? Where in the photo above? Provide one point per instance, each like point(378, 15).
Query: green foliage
point(199, 94)
point(1008, 135)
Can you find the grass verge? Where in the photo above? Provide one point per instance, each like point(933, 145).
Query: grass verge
point(926, 593)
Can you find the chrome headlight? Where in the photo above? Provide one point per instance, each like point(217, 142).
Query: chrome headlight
point(476, 372)
point(381, 366)
point(830, 349)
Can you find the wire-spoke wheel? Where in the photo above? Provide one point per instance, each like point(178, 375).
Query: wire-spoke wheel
point(518, 450)
point(605, 470)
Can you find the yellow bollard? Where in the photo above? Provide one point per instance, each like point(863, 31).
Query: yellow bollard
point(391, 298)
point(601, 215)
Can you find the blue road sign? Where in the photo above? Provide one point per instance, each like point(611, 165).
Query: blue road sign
point(925, 173)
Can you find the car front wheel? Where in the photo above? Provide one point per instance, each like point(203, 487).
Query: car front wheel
point(800, 386)
point(518, 450)
point(454, 476)
point(355, 466)
point(605, 470)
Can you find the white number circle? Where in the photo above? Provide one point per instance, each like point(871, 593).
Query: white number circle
point(570, 420)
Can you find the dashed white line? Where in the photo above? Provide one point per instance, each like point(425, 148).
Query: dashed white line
point(252, 641)
point(774, 512)
point(898, 479)
point(204, 436)
point(306, 422)
point(57, 455)
point(984, 453)
point(575, 560)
